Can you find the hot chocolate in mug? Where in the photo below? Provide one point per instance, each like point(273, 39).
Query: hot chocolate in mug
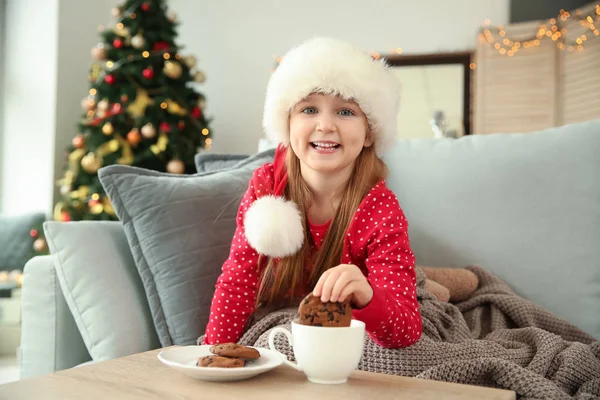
point(324, 354)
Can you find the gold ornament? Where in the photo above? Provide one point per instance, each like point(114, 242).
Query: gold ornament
point(108, 129)
point(176, 167)
point(40, 245)
point(172, 16)
point(99, 52)
point(121, 30)
point(172, 69)
point(95, 207)
point(88, 104)
point(200, 77)
point(91, 163)
point(137, 108)
point(102, 105)
point(138, 41)
point(65, 190)
point(190, 61)
point(148, 131)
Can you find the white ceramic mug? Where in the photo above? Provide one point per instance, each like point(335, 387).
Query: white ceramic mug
point(324, 354)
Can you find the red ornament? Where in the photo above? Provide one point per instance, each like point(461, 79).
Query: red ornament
point(93, 203)
point(117, 43)
point(145, 6)
point(110, 79)
point(148, 73)
point(181, 125)
point(66, 217)
point(33, 233)
point(160, 46)
point(116, 108)
point(165, 127)
point(78, 141)
point(124, 98)
point(196, 112)
point(134, 137)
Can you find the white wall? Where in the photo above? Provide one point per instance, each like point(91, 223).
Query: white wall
point(237, 43)
point(2, 40)
point(48, 45)
point(77, 33)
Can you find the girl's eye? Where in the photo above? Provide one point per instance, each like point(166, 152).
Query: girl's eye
point(346, 112)
point(309, 110)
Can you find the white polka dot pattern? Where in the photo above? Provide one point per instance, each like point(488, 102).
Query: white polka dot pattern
point(379, 235)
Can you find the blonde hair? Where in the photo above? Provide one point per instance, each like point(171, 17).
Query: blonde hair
point(279, 280)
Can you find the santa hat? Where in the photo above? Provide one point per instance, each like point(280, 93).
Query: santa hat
point(331, 66)
point(273, 225)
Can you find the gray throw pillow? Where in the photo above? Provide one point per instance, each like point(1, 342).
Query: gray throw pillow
point(209, 162)
point(179, 229)
point(89, 257)
point(16, 246)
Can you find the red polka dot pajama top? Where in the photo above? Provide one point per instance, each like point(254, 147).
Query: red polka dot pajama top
point(376, 241)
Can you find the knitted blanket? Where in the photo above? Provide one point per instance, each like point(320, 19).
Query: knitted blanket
point(495, 338)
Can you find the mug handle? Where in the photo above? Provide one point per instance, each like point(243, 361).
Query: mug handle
point(283, 357)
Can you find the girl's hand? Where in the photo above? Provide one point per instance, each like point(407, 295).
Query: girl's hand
point(337, 283)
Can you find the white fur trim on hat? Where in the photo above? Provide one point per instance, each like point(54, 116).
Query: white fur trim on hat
point(326, 65)
point(273, 226)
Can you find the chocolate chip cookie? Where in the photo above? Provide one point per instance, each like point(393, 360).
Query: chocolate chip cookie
point(235, 350)
point(312, 311)
point(220, 362)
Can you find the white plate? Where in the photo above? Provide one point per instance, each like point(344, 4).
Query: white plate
point(184, 359)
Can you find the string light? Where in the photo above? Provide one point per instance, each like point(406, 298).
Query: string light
point(550, 30)
point(509, 47)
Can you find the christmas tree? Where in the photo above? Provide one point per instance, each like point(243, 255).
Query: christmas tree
point(142, 109)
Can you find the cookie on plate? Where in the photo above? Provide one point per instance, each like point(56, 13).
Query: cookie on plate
point(235, 350)
point(312, 311)
point(220, 362)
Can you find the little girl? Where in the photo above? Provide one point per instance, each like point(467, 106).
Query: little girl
point(320, 217)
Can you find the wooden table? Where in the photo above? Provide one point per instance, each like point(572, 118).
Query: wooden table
point(143, 376)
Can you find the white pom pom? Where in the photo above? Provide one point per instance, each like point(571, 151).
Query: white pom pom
point(274, 226)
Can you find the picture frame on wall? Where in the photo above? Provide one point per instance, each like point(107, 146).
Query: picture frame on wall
point(436, 94)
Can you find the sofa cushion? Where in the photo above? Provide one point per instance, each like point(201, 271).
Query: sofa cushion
point(91, 256)
point(179, 228)
point(15, 243)
point(524, 206)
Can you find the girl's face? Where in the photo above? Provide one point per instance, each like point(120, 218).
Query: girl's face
point(327, 133)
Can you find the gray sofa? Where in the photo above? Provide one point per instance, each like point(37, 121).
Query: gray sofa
point(524, 206)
